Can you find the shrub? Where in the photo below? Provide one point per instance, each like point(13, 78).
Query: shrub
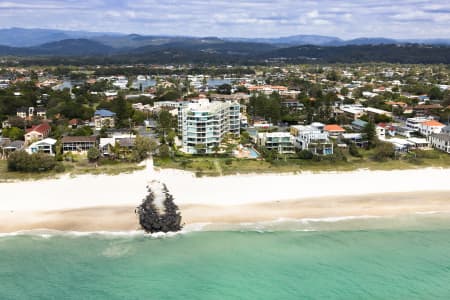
point(353, 150)
point(93, 154)
point(383, 152)
point(21, 161)
point(305, 154)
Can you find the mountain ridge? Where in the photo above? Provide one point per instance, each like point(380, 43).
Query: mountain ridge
point(23, 37)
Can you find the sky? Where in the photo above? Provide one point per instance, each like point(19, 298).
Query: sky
point(231, 18)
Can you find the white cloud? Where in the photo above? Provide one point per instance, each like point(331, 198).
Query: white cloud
point(350, 18)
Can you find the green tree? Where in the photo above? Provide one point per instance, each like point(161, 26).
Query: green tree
point(435, 93)
point(93, 154)
point(144, 146)
point(14, 133)
point(371, 135)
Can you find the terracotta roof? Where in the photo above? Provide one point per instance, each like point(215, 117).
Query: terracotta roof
point(41, 128)
point(433, 123)
point(334, 128)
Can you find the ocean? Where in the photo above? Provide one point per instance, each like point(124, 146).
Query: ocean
point(349, 258)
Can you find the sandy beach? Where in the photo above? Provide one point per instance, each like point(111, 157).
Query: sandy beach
point(106, 203)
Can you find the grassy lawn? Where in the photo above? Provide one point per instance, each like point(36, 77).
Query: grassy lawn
point(215, 166)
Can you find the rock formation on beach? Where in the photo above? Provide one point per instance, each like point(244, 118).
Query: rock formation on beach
point(158, 211)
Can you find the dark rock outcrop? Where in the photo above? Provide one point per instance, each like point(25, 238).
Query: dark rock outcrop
point(153, 219)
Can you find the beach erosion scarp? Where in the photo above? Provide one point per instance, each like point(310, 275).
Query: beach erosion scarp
point(246, 196)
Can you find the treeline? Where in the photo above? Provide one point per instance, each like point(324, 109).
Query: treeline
point(404, 54)
point(247, 55)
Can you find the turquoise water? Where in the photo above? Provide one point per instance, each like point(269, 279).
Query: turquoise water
point(347, 264)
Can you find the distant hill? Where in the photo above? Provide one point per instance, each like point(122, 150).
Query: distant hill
point(365, 41)
point(21, 37)
point(212, 50)
point(293, 40)
point(69, 47)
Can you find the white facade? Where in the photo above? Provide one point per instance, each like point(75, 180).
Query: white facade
point(204, 124)
point(415, 123)
point(312, 138)
point(44, 146)
point(282, 142)
point(431, 127)
point(440, 141)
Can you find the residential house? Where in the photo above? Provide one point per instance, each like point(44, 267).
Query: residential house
point(400, 145)
point(381, 132)
point(281, 142)
point(22, 112)
point(440, 141)
point(37, 133)
point(104, 118)
point(416, 123)
point(43, 146)
point(312, 138)
point(333, 130)
point(41, 113)
point(7, 146)
point(419, 143)
point(80, 144)
point(354, 138)
point(359, 125)
point(124, 142)
point(430, 127)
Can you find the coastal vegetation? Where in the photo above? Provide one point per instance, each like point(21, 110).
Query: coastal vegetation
point(367, 159)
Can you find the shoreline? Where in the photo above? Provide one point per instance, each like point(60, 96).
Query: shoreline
point(107, 202)
point(277, 214)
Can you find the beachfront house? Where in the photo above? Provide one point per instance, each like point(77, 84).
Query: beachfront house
point(43, 146)
point(354, 138)
point(79, 144)
point(430, 127)
point(312, 138)
point(281, 142)
point(104, 118)
point(204, 124)
point(117, 144)
point(440, 141)
point(7, 146)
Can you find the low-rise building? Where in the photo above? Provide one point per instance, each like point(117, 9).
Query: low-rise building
point(282, 142)
point(334, 130)
point(37, 133)
point(104, 118)
point(312, 138)
point(430, 127)
point(43, 146)
point(80, 144)
point(440, 141)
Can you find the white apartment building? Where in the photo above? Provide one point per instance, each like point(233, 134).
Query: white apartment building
point(204, 124)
